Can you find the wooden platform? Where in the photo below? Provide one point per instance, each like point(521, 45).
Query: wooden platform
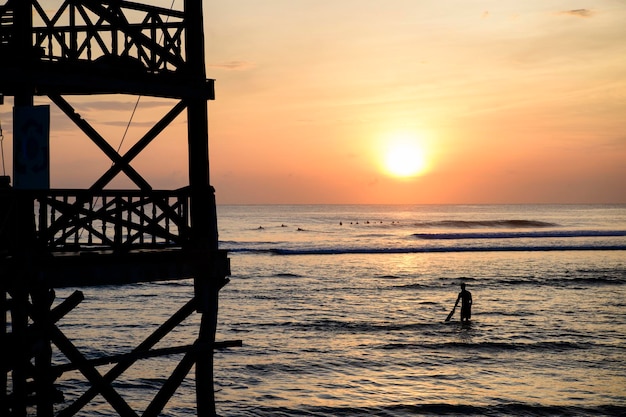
point(99, 268)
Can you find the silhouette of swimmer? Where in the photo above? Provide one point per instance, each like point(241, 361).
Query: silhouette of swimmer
point(465, 297)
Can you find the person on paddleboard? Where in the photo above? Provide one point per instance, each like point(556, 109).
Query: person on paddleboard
point(465, 297)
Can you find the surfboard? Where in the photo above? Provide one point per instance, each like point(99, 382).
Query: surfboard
point(451, 314)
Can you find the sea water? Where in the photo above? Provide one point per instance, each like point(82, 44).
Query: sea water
point(341, 312)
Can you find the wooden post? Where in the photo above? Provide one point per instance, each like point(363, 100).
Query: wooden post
point(203, 221)
point(42, 299)
point(23, 42)
point(23, 245)
point(19, 327)
point(6, 202)
point(203, 212)
point(4, 404)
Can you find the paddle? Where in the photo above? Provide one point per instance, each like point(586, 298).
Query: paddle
point(451, 313)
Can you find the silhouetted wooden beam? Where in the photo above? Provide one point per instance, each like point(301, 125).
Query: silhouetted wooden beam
point(4, 407)
point(67, 305)
point(87, 79)
point(20, 362)
point(139, 146)
point(100, 141)
point(185, 311)
point(34, 329)
point(41, 301)
point(135, 356)
point(169, 387)
point(91, 373)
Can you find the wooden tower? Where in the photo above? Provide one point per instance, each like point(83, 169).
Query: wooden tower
point(59, 238)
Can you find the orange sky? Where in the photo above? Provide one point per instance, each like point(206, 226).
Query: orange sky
point(510, 102)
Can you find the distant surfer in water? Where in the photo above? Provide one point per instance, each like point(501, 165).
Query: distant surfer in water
point(465, 297)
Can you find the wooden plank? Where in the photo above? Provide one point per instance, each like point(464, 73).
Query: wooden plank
point(135, 355)
point(88, 269)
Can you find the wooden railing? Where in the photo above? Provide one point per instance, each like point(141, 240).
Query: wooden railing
point(126, 33)
point(116, 220)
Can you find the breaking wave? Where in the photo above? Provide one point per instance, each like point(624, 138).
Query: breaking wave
point(468, 224)
point(438, 249)
point(517, 235)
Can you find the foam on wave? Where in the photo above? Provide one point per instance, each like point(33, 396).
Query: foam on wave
point(517, 235)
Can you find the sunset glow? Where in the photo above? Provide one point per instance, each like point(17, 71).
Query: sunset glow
point(509, 101)
point(404, 157)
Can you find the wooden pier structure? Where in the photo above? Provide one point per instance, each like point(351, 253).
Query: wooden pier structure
point(73, 238)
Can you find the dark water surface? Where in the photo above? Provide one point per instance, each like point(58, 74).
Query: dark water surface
point(341, 312)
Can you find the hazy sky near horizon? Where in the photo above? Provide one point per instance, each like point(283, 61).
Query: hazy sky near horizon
point(507, 102)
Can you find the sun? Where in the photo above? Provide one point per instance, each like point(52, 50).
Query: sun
point(404, 157)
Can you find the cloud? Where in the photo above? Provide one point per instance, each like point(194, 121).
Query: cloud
point(578, 12)
point(122, 105)
point(233, 65)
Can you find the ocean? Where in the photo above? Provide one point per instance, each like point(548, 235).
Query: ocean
point(341, 312)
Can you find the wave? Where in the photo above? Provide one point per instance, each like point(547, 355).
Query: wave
point(492, 346)
point(615, 277)
point(619, 278)
point(468, 224)
point(441, 249)
point(363, 326)
point(437, 409)
point(517, 235)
